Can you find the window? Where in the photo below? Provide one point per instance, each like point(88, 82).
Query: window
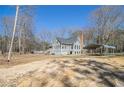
point(75, 46)
point(62, 47)
point(71, 47)
point(79, 46)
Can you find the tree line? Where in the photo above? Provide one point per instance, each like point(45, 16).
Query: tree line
point(107, 27)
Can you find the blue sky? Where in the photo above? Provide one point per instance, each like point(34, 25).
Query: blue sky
point(56, 17)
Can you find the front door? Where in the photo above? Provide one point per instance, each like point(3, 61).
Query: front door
point(70, 52)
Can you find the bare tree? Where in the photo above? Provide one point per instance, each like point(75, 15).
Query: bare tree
point(106, 19)
point(6, 26)
point(26, 37)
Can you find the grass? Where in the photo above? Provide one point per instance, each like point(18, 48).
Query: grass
point(27, 58)
point(21, 59)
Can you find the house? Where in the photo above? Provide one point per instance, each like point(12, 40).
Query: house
point(77, 45)
point(68, 46)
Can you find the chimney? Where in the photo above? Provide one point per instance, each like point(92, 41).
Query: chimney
point(81, 40)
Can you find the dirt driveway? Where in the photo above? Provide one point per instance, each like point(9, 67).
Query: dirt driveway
point(67, 72)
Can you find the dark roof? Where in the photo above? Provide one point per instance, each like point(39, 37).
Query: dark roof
point(94, 46)
point(70, 40)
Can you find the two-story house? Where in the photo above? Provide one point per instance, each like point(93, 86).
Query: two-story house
point(72, 45)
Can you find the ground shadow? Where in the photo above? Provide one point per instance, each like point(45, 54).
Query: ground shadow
point(106, 72)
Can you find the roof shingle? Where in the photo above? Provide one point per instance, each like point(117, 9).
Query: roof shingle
point(70, 40)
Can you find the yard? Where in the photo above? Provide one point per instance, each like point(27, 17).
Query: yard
point(36, 70)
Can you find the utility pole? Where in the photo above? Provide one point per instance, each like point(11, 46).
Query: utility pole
point(14, 29)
